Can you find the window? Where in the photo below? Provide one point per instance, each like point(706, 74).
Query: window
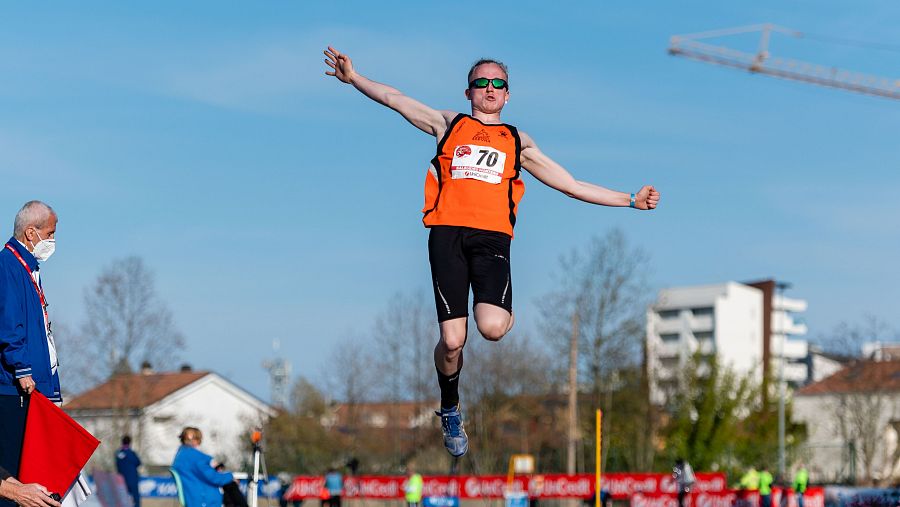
point(702, 312)
point(669, 314)
point(670, 363)
point(670, 337)
point(703, 336)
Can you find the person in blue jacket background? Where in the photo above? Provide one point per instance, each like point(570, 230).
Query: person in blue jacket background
point(127, 463)
point(200, 482)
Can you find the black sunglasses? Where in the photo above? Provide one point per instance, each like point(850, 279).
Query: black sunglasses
point(482, 82)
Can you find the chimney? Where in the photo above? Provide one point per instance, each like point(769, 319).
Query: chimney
point(186, 368)
point(146, 368)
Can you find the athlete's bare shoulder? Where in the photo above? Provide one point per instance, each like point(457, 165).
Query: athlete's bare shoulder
point(527, 141)
point(448, 117)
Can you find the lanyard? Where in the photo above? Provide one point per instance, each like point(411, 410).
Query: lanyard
point(34, 283)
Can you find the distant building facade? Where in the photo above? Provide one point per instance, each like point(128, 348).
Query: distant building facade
point(852, 422)
point(747, 327)
point(154, 407)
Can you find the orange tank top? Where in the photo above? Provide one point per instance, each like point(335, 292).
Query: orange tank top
point(474, 179)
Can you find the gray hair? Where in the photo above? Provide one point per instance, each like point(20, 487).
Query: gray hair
point(32, 214)
point(484, 61)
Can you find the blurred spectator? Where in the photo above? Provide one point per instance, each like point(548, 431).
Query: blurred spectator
point(231, 492)
point(592, 500)
point(750, 480)
point(200, 482)
point(352, 465)
point(684, 479)
point(334, 483)
point(801, 481)
point(414, 486)
point(285, 481)
point(127, 463)
point(765, 488)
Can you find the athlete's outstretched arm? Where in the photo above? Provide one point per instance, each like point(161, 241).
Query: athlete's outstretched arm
point(430, 121)
point(555, 176)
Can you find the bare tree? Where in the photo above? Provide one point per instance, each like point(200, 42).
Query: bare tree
point(306, 399)
point(863, 418)
point(350, 376)
point(599, 307)
point(506, 400)
point(405, 335)
point(847, 338)
point(126, 324)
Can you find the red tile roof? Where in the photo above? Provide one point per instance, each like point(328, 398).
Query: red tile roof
point(399, 414)
point(133, 390)
point(858, 377)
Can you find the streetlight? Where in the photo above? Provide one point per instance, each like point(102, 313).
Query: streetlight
point(780, 288)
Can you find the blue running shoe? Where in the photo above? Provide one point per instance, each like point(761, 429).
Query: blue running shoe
point(455, 439)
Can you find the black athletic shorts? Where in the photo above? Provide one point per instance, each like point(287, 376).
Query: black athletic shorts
point(463, 256)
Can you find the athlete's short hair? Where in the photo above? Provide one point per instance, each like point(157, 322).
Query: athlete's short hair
point(484, 61)
point(33, 213)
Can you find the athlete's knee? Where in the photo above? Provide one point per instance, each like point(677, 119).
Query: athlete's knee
point(453, 341)
point(494, 329)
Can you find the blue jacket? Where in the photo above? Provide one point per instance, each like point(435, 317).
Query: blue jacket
point(23, 338)
point(334, 483)
point(127, 463)
point(199, 480)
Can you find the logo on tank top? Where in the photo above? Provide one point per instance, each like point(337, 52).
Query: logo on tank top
point(482, 136)
point(462, 151)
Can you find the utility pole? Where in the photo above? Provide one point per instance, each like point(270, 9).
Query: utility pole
point(781, 287)
point(572, 434)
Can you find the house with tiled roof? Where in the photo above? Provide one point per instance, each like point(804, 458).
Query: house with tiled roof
point(153, 408)
point(853, 424)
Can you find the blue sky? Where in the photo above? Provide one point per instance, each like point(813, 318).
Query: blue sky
point(274, 203)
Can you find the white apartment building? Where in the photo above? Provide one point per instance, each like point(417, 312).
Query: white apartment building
point(744, 325)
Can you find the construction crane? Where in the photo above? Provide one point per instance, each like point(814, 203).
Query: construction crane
point(696, 47)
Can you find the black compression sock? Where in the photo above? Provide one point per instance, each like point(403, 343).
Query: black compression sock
point(449, 389)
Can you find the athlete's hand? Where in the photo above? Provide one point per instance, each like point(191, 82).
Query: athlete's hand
point(343, 67)
point(646, 198)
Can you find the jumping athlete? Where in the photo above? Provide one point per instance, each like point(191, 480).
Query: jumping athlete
point(472, 193)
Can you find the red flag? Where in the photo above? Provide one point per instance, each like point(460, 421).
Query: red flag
point(55, 449)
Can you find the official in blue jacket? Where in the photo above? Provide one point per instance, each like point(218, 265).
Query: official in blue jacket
point(127, 463)
point(199, 480)
point(27, 351)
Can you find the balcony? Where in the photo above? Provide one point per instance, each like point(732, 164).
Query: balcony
point(667, 349)
point(701, 322)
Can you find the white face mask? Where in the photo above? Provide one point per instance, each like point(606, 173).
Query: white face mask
point(44, 249)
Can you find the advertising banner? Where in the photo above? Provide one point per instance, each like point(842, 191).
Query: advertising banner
point(164, 487)
point(814, 497)
point(621, 486)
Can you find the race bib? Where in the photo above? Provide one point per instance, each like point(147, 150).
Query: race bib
point(478, 163)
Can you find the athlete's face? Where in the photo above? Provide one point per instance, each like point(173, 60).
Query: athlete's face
point(488, 100)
